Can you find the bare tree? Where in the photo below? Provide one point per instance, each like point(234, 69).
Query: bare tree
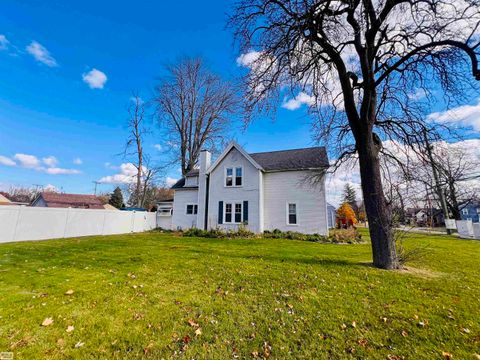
point(363, 62)
point(195, 108)
point(134, 144)
point(449, 171)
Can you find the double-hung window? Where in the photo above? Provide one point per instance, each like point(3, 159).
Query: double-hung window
point(233, 176)
point(292, 214)
point(238, 176)
point(192, 209)
point(233, 213)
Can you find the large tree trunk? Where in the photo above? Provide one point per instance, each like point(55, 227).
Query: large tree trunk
point(378, 211)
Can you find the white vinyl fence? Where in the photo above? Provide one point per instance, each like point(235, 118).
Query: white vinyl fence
point(468, 229)
point(20, 223)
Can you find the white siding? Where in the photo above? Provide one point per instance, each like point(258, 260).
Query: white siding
point(180, 219)
point(248, 192)
point(281, 188)
point(191, 181)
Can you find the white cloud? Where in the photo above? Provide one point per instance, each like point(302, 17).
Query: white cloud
point(4, 42)
point(28, 161)
point(51, 188)
point(158, 147)
point(59, 171)
point(419, 94)
point(302, 98)
point(465, 115)
point(127, 175)
point(41, 54)
point(47, 165)
point(170, 181)
point(77, 161)
point(50, 161)
point(96, 79)
point(248, 59)
point(7, 161)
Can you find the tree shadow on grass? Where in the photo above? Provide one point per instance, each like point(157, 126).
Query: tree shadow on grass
point(278, 258)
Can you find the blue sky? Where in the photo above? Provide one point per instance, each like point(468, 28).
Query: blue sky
point(48, 51)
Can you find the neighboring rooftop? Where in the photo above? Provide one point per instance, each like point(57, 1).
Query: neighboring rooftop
point(4, 200)
point(59, 200)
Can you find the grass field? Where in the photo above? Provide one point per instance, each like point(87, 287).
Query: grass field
point(161, 296)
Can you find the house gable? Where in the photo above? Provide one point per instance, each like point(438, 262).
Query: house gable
point(234, 145)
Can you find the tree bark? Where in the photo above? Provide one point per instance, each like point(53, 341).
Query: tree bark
point(378, 211)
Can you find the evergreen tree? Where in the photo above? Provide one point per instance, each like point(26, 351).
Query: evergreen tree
point(117, 198)
point(350, 196)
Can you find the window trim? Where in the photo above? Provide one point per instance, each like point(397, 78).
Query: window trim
point(194, 209)
point(233, 203)
point(287, 211)
point(234, 177)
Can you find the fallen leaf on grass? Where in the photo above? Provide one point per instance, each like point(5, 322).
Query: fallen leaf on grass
point(70, 328)
point(267, 349)
point(362, 342)
point(148, 348)
point(47, 322)
point(254, 354)
point(69, 292)
point(198, 332)
point(447, 355)
point(192, 323)
point(393, 357)
point(186, 339)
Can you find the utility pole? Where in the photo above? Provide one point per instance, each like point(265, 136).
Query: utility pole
point(438, 187)
point(96, 183)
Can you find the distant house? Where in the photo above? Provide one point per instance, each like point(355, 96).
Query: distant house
point(471, 212)
point(424, 217)
point(59, 200)
point(331, 215)
point(4, 200)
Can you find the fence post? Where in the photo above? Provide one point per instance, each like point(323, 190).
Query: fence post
point(133, 221)
point(66, 223)
point(104, 219)
point(19, 213)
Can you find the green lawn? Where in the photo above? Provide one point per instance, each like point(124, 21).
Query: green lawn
point(159, 295)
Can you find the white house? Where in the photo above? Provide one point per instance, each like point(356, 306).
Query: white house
point(282, 190)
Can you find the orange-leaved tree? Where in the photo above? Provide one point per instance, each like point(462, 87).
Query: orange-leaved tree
point(346, 215)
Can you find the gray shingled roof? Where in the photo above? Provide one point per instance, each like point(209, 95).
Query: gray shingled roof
point(296, 159)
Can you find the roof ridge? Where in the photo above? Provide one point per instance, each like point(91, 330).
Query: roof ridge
point(304, 148)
